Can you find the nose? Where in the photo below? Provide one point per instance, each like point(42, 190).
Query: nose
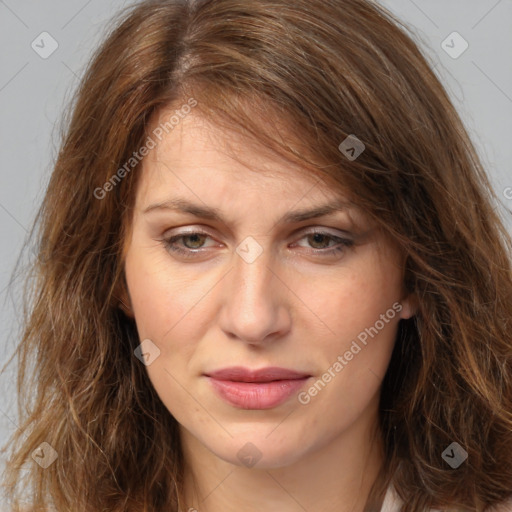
point(255, 308)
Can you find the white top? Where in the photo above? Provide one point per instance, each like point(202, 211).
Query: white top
point(393, 502)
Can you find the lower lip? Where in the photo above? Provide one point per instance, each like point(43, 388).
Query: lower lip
point(256, 395)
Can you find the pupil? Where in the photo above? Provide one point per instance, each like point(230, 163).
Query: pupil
point(194, 238)
point(318, 238)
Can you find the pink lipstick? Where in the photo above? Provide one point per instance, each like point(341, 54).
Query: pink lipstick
point(256, 389)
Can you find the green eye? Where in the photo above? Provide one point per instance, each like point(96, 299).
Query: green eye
point(178, 244)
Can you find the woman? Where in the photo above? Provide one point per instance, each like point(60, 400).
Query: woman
point(271, 276)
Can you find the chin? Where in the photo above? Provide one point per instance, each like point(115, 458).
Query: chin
point(258, 450)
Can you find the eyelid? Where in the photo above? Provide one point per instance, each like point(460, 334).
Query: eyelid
point(341, 239)
point(335, 232)
point(324, 230)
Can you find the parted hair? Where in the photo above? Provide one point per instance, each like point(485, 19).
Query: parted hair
point(324, 69)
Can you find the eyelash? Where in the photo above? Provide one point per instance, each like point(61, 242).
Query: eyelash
point(343, 243)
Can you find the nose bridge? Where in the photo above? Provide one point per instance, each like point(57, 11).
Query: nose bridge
point(251, 275)
point(252, 309)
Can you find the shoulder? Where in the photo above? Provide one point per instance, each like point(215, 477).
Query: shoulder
point(393, 503)
point(502, 507)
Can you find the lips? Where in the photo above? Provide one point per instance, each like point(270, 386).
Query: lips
point(240, 374)
point(256, 389)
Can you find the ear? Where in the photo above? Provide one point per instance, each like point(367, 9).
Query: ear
point(410, 306)
point(122, 297)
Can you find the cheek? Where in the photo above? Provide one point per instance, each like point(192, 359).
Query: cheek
point(354, 363)
point(361, 311)
point(174, 310)
point(164, 313)
point(354, 300)
point(160, 298)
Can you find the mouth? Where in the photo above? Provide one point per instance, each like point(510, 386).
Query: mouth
point(265, 388)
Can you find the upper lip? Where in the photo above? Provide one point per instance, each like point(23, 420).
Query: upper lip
point(269, 374)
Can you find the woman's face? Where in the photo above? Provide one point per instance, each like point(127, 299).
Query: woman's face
point(251, 288)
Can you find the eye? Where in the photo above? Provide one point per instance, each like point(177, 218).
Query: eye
point(193, 243)
point(196, 242)
point(320, 238)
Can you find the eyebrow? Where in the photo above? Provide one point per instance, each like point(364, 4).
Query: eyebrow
point(214, 214)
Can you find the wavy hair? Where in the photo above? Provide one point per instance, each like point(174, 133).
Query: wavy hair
point(327, 69)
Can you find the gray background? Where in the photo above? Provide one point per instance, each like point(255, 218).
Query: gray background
point(34, 90)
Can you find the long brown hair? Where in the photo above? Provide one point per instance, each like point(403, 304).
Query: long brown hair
point(327, 69)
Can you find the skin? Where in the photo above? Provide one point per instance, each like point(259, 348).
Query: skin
point(290, 308)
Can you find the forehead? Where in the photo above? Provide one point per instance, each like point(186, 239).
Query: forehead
point(216, 159)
